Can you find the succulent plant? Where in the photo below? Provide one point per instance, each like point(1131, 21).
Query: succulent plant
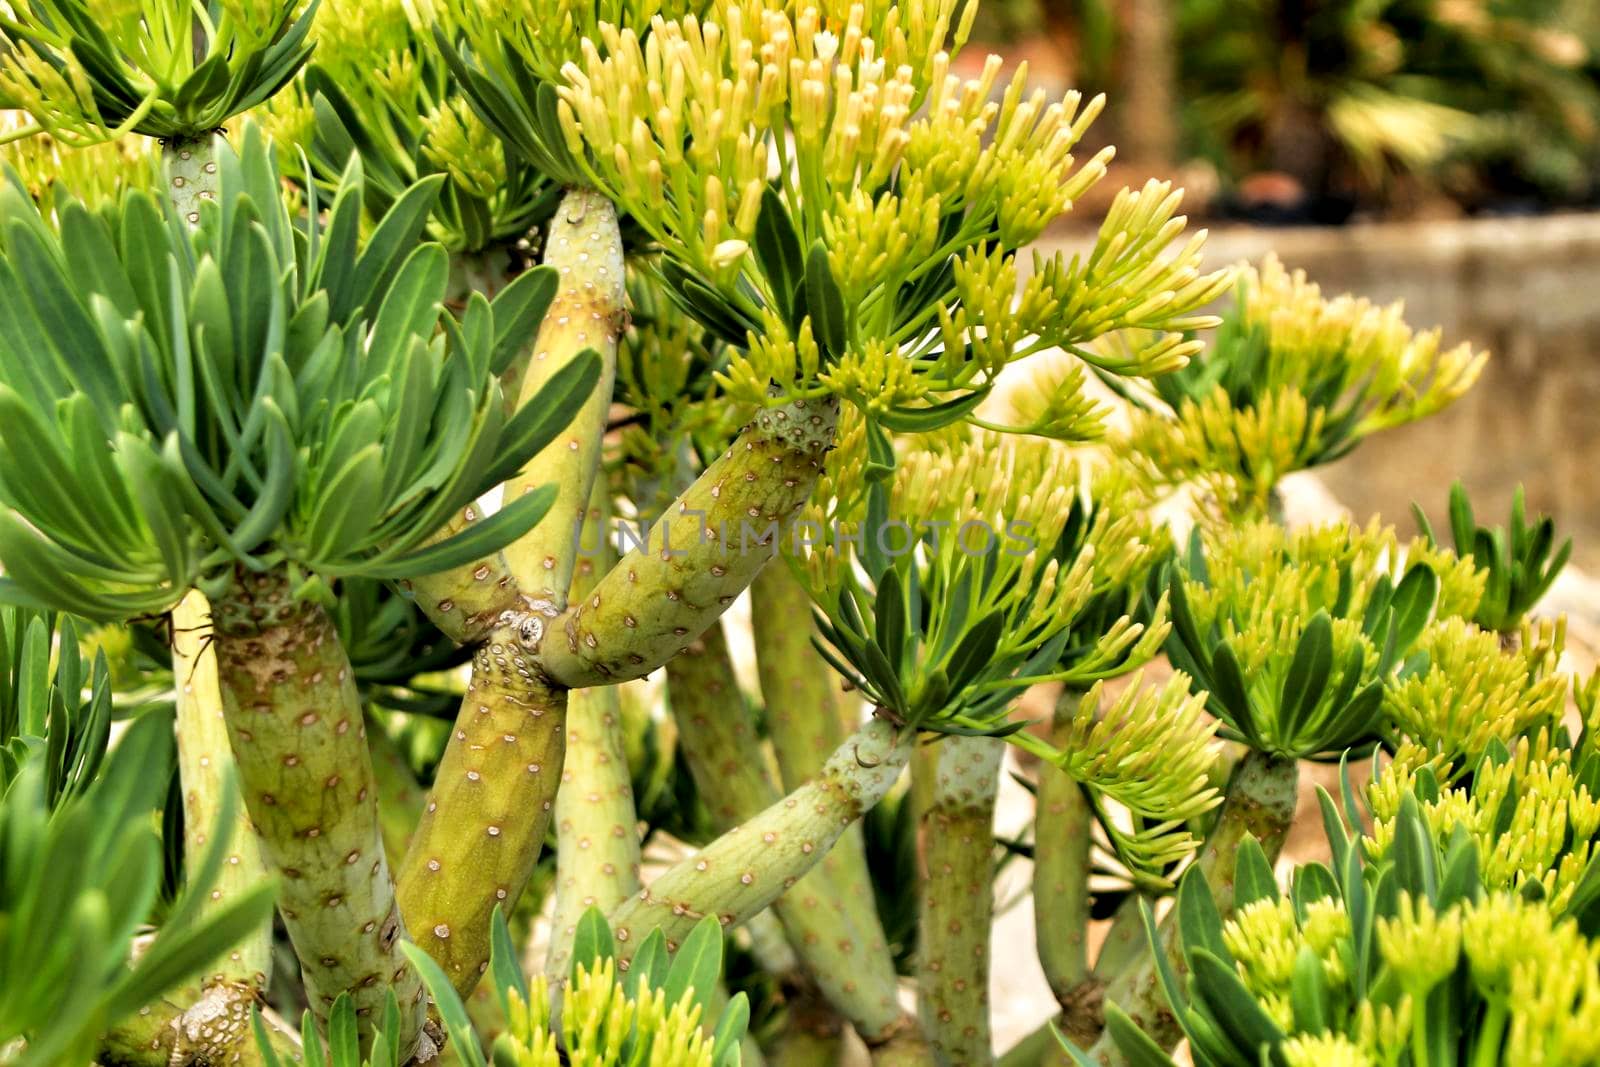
point(1522, 561)
point(390, 458)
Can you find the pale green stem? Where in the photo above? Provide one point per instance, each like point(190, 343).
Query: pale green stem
point(597, 824)
point(958, 900)
point(718, 739)
point(295, 721)
point(400, 796)
point(205, 759)
point(467, 602)
point(746, 869)
point(1061, 898)
point(709, 547)
point(484, 823)
point(190, 169)
point(589, 312)
point(806, 721)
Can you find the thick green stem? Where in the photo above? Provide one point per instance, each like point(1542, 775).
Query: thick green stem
point(712, 543)
point(190, 167)
point(589, 312)
point(597, 824)
point(1062, 839)
point(746, 869)
point(800, 690)
point(958, 900)
point(213, 1031)
point(1260, 803)
point(486, 816)
point(295, 721)
point(806, 721)
point(718, 739)
point(205, 757)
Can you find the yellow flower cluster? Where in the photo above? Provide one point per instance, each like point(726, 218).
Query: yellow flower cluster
point(1266, 937)
point(59, 97)
point(1303, 379)
point(1236, 455)
point(1385, 372)
point(94, 174)
point(602, 1027)
point(1530, 817)
point(455, 140)
point(1538, 970)
point(1324, 1050)
point(1472, 691)
point(1152, 747)
point(1263, 584)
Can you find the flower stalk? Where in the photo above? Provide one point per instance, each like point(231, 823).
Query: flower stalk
point(190, 167)
point(1061, 846)
point(807, 719)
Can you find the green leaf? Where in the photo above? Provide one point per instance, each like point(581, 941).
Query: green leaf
point(592, 942)
point(451, 1010)
point(1168, 980)
point(1415, 861)
point(542, 418)
point(778, 251)
point(648, 969)
point(1308, 996)
point(730, 1031)
point(344, 1042)
point(394, 238)
point(890, 617)
point(1232, 1005)
point(1252, 874)
point(825, 302)
point(347, 507)
point(411, 307)
point(1413, 604)
point(1307, 677)
point(880, 453)
point(697, 966)
point(269, 1057)
point(1199, 921)
point(1140, 1049)
point(933, 417)
point(503, 962)
point(482, 538)
point(976, 650)
point(519, 309)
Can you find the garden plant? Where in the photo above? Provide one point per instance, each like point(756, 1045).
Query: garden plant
point(397, 395)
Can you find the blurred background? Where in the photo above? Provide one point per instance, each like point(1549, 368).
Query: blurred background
point(1441, 152)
